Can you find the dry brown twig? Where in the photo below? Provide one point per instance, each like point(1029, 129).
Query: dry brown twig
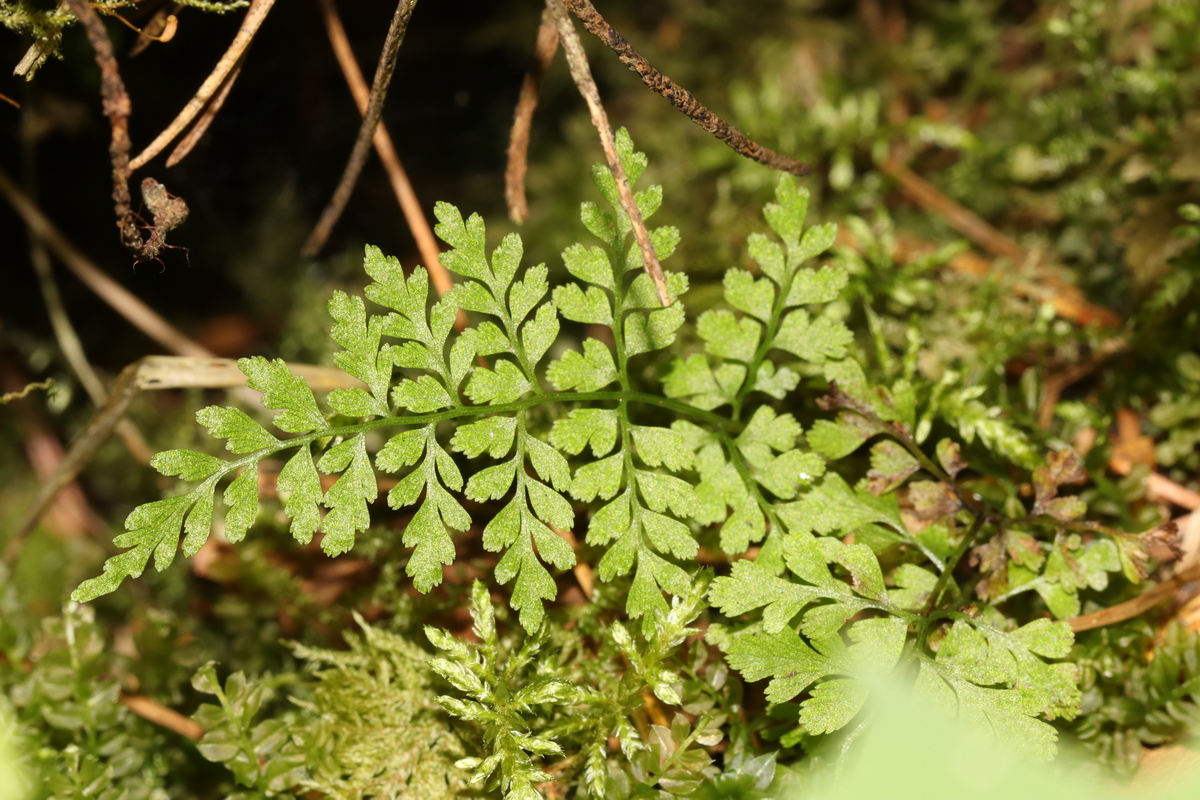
point(386, 149)
point(167, 212)
point(72, 349)
point(210, 113)
point(71, 515)
point(1067, 300)
point(1138, 605)
point(582, 74)
point(679, 97)
point(358, 155)
point(518, 138)
point(155, 712)
point(255, 15)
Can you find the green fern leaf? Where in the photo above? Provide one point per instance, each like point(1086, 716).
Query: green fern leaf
point(241, 497)
point(587, 372)
point(584, 426)
point(727, 336)
point(362, 356)
point(298, 480)
point(347, 499)
point(243, 434)
point(187, 464)
point(152, 528)
point(283, 390)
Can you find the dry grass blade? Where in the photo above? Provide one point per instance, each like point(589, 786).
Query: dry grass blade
point(358, 155)
point(255, 15)
point(518, 138)
point(582, 74)
point(679, 97)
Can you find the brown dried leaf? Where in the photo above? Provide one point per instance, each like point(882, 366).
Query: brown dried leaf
point(932, 500)
point(949, 455)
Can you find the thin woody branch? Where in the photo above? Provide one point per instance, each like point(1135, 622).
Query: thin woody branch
point(680, 97)
point(255, 15)
point(518, 140)
point(362, 145)
point(582, 74)
point(168, 211)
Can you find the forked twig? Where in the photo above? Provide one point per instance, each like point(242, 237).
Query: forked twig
point(255, 15)
point(358, 155)
point(210, 113)
point(679, 97)
point(582, 74)
point(518, 138)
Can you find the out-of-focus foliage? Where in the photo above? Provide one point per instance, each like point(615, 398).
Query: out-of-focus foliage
point(1141, 688)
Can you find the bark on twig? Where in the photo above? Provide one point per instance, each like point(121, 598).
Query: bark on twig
point(169, 213)
point(679, 97)
point(358, 155)
point(418, 225)
point(582, 74)
point(518, 138)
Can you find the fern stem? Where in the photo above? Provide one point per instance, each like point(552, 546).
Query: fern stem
point(952, 562)
point(765, 345)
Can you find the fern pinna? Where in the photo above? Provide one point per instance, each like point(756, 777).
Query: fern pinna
point(847, 583)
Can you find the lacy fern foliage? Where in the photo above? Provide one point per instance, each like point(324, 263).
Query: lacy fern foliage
point(834, 585)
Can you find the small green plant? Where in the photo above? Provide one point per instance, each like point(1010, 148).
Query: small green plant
point(845, 569)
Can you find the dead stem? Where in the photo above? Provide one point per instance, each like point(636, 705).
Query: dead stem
point(1160, 486)
point(72, 350)
point(255, 15)
point(1138, 605)
point(358, 155)
point(155, 712)
point(679, 97)
point(518, 138)
point(418, 225)
point(70, 516)
point(582, 74)
point(116, 108)
point(210, 113)
point(1067, 300)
